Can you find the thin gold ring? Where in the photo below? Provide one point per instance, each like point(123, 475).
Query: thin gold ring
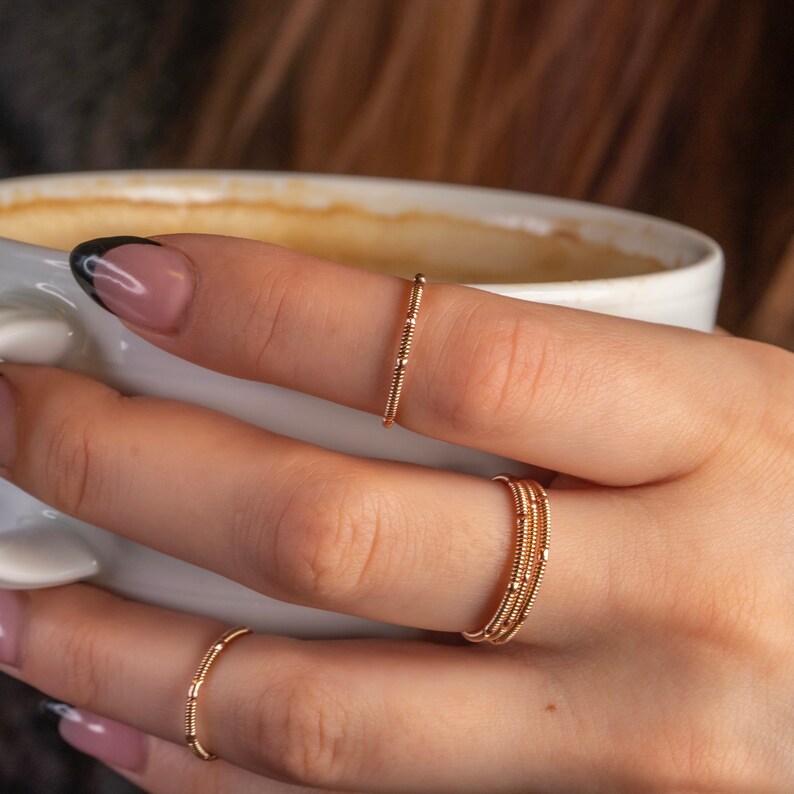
point(215, 650)
point(533, 533)
point(398, 376)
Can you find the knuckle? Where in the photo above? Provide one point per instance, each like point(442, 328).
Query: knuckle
point(334, 539)
point(697, 740)
point(774, 362)
point(494, 369)
point(728, 608)
point(317, 743)
point(83, 660)
point(775, 413)
point(274, 315)
point(705, 608)
point(761, 397)
point(65, 464)
point(73, 451)
point(709, 593)
point(692, 758)
point(248, 518)
point(736, 604)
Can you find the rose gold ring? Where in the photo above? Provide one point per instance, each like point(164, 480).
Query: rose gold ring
point(405, 348)
point(533, 527)
point(216, 649)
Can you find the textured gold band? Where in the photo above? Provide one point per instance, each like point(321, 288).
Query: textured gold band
point(533, 530)
point(192, 696)
point(405, 348)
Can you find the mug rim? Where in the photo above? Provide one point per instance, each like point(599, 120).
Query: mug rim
point(206, 185)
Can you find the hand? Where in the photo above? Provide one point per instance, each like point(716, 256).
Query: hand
point(657, 658)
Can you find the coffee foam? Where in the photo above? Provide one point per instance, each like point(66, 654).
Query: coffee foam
point(446, 247)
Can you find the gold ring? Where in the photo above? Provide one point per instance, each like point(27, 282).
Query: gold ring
point(198, 679)
point(405, 348)
point(533, 529)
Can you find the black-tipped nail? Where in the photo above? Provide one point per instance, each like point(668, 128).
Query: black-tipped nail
point(54, 711)
point(111, 742)
point(138, 280)
point(85, 257)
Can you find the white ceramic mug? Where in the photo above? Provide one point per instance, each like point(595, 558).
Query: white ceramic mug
point(46, 318)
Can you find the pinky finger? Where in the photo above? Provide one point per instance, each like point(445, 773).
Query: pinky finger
point(156, 765)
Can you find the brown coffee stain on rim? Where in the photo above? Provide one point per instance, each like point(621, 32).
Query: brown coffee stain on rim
point(449, 247)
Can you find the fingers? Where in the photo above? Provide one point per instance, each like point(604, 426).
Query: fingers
point(574, 391)
point(158, 766)
point(172, 769)
point(359, 715)
point(383, 540)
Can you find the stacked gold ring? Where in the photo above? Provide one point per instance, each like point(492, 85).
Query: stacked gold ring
point(533, 529)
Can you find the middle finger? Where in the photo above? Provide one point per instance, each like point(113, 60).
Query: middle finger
point(384, 540)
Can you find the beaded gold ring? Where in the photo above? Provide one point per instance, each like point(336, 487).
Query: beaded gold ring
point(398, 375)
point(533, 531)
point(216, 649)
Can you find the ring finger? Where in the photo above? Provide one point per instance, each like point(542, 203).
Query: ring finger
point(318, 713)
point(379, 539)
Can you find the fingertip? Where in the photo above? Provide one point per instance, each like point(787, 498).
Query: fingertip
point(111, 742)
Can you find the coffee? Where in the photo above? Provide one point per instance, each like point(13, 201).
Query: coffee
point(446, 247)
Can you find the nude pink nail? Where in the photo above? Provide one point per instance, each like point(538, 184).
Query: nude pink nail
point(106, 740)
point(137, 279)
point(11, 607)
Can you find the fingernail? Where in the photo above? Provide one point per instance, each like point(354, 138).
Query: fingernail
point(106, 740)
point(10, 627)
point(8, 422)
point(139, 280)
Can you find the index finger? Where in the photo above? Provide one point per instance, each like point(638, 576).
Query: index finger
point(564, 389)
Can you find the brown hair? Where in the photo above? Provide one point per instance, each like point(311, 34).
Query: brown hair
point(675, 107)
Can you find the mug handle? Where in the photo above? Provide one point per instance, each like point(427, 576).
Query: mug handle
point(34, 556)
point(33, 335)
point(44, 556)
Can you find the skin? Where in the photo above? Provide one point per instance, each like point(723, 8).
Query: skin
point(658, 655)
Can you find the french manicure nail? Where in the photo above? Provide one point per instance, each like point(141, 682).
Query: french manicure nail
point(10, 627)
point(106, 740)
point(8, 422)
point(137, 279)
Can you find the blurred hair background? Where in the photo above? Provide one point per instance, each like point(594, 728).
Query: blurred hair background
point(679, 108)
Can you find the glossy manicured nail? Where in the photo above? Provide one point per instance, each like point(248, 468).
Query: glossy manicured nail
point(139, 280)
point(106, 740)
point(8, 422)
point(10, 626)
